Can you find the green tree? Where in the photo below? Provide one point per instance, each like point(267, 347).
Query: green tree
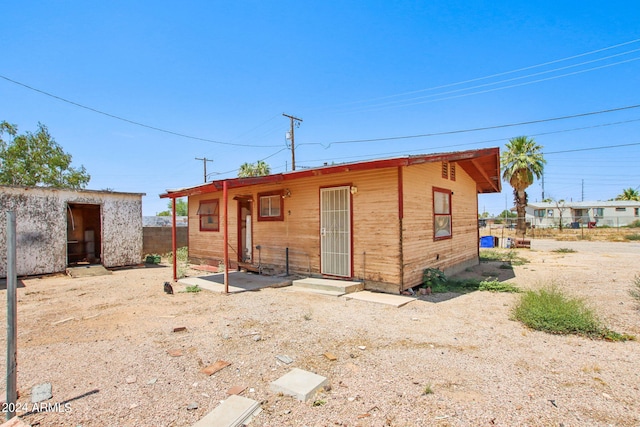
point(37, 159)
point(182, 209)
point(629, 194)
point(521, 161)
point(507, 214)
point(260, 168)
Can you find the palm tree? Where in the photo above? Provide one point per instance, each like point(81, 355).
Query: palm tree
point(629, 194)
point(521, 161)
point(260, 168)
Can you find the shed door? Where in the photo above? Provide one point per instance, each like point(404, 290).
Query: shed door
point(335, 231)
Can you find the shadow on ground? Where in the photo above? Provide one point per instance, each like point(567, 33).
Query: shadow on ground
point(486, 270)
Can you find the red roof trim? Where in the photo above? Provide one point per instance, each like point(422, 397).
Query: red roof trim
point(328, 170)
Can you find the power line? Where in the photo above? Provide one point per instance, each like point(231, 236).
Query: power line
point(592, 148)
point(426, 135)
point(133, 122)
point(497, 74)
point(377, 108)
point(486, 141)
point(402, 102)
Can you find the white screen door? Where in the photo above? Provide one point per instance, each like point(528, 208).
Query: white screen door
point(335, 231)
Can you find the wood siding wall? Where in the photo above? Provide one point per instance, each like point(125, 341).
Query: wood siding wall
point(375, 231)
point(379, 257)
point(420, 250)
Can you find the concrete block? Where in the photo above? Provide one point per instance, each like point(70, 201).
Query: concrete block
point(299, 383)
point(41, 392)
point(236, 411)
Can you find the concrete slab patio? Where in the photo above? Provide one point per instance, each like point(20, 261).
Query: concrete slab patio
point(238, 282)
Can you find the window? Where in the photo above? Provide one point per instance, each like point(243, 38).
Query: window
point(550, 213)
point(636, 211)
point(598, 211)
point(209, 214)
point(621, 209)
point(539, 213)
point(441, 214)
point(270, 208)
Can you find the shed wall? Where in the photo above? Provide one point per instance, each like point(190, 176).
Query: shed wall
point(41, 226)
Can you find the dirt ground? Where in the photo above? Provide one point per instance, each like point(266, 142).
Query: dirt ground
point(104, 344)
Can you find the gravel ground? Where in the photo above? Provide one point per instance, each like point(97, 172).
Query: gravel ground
point(111, 364)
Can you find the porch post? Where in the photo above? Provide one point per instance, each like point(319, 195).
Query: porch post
point(174, 242)
point(225, 197)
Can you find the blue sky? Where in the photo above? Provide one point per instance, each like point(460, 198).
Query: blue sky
point(226, 71)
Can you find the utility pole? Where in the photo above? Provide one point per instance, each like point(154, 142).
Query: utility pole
point(542, 187)
point(204, 162)
point(582, 191)
point(294, 121)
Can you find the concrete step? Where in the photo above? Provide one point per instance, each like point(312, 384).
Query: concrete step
point(330, 286)
point(315, 291)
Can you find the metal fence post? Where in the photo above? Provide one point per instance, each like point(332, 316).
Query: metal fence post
point(12, 279)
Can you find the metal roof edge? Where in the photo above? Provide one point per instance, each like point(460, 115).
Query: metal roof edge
point(331, 169)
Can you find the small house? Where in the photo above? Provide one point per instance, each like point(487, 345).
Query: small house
point(58, 228)
point(379, 221)
point(612, 213)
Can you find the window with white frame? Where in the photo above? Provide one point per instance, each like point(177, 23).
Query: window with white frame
point(270, 206)
point(539, 213)
point(598, 211)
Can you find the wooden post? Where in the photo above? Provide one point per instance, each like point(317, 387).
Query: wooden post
point(225, 197)
point(12, 279)
point(174, 239)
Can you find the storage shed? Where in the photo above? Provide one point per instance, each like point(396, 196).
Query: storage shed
point(381, 221)
point(57, 228)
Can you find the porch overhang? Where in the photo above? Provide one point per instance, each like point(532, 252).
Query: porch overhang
point(482, 165)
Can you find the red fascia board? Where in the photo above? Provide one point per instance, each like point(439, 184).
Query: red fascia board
point(328, 170)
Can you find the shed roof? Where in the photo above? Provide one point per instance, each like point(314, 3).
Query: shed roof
point(482, 165)
point(71, 190)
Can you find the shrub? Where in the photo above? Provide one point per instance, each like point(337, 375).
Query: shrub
point(193, 289)
point(551, 311)
point(564, 251)
point(510, 256)
point(495, 286)
point(632, 237)
point(434, 278)
point(635, 289)
point(635, 224)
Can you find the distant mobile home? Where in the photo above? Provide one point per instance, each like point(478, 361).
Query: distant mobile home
point(382, 221)
point(612, 213)
point(57, 228)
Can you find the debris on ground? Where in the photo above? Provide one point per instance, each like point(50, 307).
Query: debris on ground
point(284, 359)
point(41, 392)
point(212, 369)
